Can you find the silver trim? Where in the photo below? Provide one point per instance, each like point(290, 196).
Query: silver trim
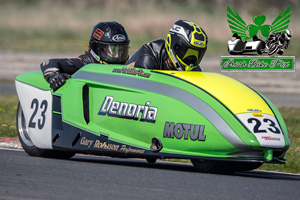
point(22, 127)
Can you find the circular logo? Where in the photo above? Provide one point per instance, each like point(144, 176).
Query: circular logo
point(119, 38)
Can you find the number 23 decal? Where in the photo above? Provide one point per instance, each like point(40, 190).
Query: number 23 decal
point(258, 123)
point(41, 119)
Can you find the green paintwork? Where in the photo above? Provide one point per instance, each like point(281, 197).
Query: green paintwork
point(139, 133)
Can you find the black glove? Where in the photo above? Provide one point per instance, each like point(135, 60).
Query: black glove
point(57, 80)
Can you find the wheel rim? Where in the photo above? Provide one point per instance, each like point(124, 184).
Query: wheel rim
point(22, 128)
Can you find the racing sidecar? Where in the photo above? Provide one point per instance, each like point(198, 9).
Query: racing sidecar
point(219, 123)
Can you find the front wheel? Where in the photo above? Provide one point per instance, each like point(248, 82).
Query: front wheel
point(29, 147)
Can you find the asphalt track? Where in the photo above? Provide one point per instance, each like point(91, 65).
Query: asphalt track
point(90, 177)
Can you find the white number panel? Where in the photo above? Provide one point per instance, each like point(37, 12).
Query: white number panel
point(265, 128)
point(37, 109)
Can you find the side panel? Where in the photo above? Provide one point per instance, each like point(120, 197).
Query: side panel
point(132, 109)
point(37, 107)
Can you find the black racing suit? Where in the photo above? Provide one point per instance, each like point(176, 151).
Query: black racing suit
point(65, 65)
point(153, 55)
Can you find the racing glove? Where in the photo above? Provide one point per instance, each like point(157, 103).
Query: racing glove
point(57, 80)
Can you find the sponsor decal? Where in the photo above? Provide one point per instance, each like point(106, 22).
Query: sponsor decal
point(254, 110)
point(257, 115)
point(98, 33)
point(270, 138)
point(118, 109)
point(132, 71)
point(86, 142)
point(97, 144)
point(185, 131)
point(104, 145)
point(119, 38)
point(126, 149)
point(266, 39)
point(201, 44)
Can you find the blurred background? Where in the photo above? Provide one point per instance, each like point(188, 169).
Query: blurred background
point(32, 31)
point(64, 26)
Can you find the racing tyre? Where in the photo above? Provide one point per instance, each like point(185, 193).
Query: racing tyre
point(151, 160)
point(244, 166)
point(224, 167)
point(28, 146)
point(207, 166)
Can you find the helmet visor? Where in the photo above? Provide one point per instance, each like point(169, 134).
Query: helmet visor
point(113, 53)
point(188, 55)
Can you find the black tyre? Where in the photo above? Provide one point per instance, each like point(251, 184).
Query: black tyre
point(226, 167)
point(28, 146)
point(151, 160)
point(207, 166)
point(244, 166)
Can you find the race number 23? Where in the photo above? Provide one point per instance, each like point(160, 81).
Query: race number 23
point(268, 124)
point(40, 119)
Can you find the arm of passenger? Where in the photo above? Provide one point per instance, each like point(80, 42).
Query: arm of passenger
point(146, 62)
point(53, 66)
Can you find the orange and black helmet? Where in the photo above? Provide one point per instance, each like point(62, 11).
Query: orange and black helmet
point(109, 43)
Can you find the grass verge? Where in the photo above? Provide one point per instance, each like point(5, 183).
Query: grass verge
point(8, 108)
point(292, 119)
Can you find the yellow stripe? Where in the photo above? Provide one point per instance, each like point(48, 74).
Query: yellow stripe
point(233, 94)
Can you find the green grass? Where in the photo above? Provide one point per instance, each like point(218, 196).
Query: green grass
point(8, 108)
point(292, 119)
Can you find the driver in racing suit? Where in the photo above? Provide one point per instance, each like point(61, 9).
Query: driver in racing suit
point(109, 44)
point(183, 49)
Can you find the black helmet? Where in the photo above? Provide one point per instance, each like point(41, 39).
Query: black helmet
point(186, 45)
point(109, 43)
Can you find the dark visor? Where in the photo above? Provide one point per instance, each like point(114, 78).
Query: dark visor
point(190, 56)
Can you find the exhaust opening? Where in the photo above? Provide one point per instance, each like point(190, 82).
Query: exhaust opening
point(156, 145)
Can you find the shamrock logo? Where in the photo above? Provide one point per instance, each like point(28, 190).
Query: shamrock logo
point(238, 25)
point(259, 29)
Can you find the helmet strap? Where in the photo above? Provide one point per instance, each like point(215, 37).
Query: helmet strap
point(95, 55)
point(171, 66)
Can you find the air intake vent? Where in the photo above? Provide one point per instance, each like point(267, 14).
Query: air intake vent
point(86, 106)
